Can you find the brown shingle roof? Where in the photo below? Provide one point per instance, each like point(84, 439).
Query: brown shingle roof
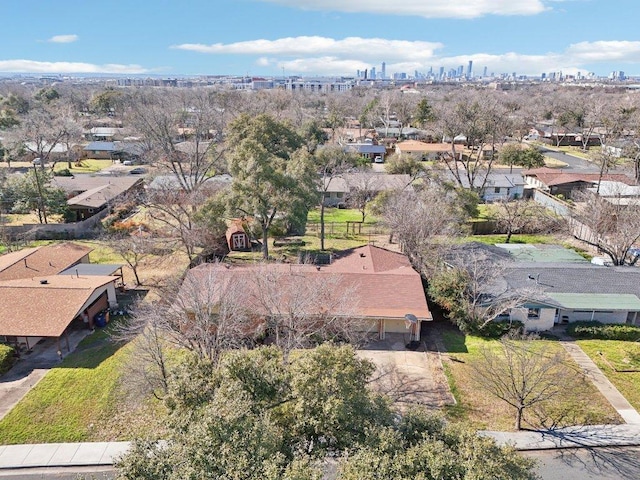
point(36, 309)
point(415, 146)
point(550, 176)
point(41, 261)
point(382, 283)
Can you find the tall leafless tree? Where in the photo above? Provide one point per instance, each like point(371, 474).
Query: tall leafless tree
point(524, 374)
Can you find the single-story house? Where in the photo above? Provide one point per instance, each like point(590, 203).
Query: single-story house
point(103, 133)
point(563, 182)
point(88, 195)
point(170, 183)
point(337, 189)
point(398, 132)
point(383, 289)
point(46, 290)
point(497, 186)
point(558, 286)
point(426, 151)
point(114, 150)
point(367, 150)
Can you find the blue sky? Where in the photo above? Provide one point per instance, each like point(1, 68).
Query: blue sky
point(318, 37)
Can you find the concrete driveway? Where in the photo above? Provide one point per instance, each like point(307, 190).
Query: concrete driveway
point(408, 377)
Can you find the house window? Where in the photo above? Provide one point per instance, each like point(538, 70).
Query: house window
point(496, 190)
point(533, 313)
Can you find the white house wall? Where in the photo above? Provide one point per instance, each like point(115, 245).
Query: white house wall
point(544, 322)
point(619, 316)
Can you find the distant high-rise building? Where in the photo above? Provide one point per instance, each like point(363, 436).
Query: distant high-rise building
point(460, 71)
point(469, 68)
point(484, 72)
point(384, 70)
point(441, 73)
point(373, 73)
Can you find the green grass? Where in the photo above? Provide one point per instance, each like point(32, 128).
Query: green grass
point(340, 215)
point(65, 404)
point(88, 165)
point(481, 410)
point(500, 238)
point(612, 356)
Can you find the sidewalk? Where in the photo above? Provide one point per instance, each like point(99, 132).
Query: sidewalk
point(570, 437)
point(60, 454)
point(600, 381)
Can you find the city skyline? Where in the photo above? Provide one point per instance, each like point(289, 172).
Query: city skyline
point(320, 37)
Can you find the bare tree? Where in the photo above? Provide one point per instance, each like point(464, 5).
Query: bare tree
point(479, 121)
point(209, 314)
point(303, 308)
point(514, 216)
point(363, 188)
point(133, 248)
point(177, 212)
point(472, 287)
point(150, 372)
point(611, 224)
point(419, 219)
point(523, 374)
point(181, 132)
point(333, 163)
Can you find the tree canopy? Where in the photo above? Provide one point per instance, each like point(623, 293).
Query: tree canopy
point(257, 416)
point(272, 174)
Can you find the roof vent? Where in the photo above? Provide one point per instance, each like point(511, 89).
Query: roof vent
point(362, 255)
point(44, 281)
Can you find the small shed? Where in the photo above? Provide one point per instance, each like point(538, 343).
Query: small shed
point(237, 238)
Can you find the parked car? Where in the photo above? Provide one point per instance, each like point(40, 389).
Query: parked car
point(37, 161)
point(137, 171)
point(378, 159)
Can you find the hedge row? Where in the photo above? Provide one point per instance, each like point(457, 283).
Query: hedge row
point(604, 331)
point(6, 358)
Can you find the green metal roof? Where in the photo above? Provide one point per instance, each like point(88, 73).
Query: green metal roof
point(596, 301)
point(541, 253)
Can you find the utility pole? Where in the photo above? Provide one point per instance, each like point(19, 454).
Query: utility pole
point(41, 204)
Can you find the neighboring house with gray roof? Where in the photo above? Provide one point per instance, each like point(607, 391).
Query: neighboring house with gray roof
point(497, 186)
point(337, 189)
point(559, 286)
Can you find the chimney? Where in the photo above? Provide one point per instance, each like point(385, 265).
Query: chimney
point(44, 281)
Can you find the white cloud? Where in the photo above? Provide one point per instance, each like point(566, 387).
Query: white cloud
point(32, 66)
point(63, 39)
point(619, 51)
point(328, 56)
point(423, 8)
point(363, 48)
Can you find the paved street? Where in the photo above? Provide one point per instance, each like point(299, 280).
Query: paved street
point(604, 463)
point(574, 163)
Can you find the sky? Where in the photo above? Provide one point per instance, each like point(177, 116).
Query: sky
point(318, 37)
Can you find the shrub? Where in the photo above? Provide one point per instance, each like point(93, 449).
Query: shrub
point(497, 329)
point(604, 331)
point(7, 358)
point(65, 172)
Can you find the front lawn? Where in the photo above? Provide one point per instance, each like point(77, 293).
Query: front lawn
point(584, 405)
point(65, 404)
point(620, 362)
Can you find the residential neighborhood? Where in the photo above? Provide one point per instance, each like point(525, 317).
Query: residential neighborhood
point(282, 279)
